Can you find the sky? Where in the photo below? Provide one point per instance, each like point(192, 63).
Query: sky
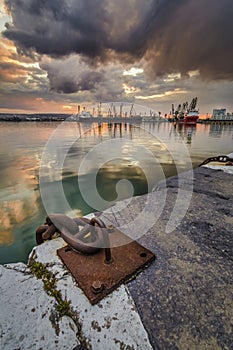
point(57, 54)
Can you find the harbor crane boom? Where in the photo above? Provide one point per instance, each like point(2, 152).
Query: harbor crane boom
point(193, 104)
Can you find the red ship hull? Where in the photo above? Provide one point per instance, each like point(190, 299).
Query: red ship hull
point(188, 120)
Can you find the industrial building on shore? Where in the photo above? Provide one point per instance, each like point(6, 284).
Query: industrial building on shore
point(221, 114)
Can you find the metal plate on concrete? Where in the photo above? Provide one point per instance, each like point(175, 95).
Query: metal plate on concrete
point(96, 278)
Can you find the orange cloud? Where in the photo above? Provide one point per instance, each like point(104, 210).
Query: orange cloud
point(12, 70)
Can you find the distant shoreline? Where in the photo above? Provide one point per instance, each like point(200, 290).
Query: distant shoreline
point(17, 117)
point(56, 117)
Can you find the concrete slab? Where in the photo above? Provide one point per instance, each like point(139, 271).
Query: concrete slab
point(28, 317)
point(185, 298)
point(113, 323)
point(182, 301)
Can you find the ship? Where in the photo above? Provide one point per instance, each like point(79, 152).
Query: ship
point(154, 117)
point(186, 113)
point(85, 116)
point(112, 116)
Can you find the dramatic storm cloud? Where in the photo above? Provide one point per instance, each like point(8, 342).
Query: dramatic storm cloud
point(93, 83)
point(57, 53)
point(193, 35)
point(61, 27)
point(171, 35)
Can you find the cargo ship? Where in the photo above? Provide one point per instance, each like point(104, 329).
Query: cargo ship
point(111, 115)
point(186, 114)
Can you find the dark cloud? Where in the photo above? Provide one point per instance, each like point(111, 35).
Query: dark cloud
point(193, 35)
point(87, 27)
point(171, 35)
point(66, 81)
point(72, 74)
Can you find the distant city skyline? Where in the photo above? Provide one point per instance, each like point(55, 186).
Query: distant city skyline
point(58, 54)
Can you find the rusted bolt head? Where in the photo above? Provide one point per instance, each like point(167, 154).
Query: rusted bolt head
point(97, 287)
point(111, 228)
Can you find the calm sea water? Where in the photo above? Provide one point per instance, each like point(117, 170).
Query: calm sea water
point(42, 158)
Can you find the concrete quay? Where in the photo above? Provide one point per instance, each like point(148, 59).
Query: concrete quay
point(184, 300)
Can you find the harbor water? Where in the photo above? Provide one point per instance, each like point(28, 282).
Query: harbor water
point(145, 154)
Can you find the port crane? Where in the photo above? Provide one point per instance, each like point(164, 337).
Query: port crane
point(184, 108)
point(186, 113)
point(193, 104)
point(177, 111)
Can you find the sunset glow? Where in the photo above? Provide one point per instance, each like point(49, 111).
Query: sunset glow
point(49, 73)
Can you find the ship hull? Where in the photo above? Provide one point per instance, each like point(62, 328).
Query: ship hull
point(188, 120)
point(111, 119)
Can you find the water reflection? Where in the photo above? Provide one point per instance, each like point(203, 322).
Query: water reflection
point(216, 130)
point(22, 146)
point(19, 193)
point(186, 132)
point(129, 163)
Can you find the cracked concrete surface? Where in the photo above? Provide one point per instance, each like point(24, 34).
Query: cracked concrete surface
point(29, 319)
point(27, 316)
point(184, 299)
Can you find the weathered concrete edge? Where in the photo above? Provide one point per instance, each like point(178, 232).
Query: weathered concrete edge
point(98, 331)
point(114, 323)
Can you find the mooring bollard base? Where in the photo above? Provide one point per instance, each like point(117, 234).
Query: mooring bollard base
point(96, 277)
